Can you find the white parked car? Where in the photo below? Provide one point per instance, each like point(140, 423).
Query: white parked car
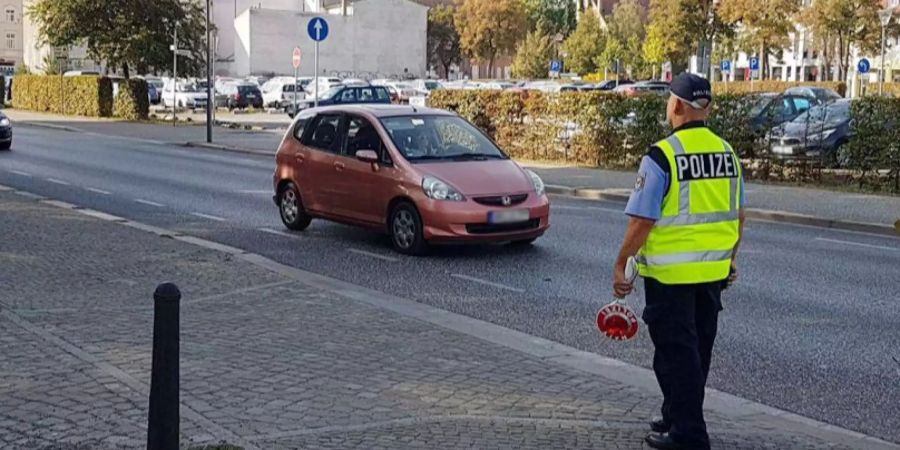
point(404, 91)
point(279, 91)
point(325, 83)
point(183, 94)
point(427, 85)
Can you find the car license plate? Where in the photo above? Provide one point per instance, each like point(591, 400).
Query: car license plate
point(782, 149)
point(251, 96)
point(511, 216)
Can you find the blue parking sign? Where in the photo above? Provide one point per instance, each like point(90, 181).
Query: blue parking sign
point(726, 65)
point(754, 63)
point(556, 65)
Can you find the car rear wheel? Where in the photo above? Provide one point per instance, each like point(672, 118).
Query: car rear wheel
point(6, 145)
point(291, 209)
point(406, 230)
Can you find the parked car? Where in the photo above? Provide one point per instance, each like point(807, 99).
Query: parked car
point(324, 83)
point(152, 94)
point(771, 110)
point(155, 85)
point(6, 132)
point(643, 87)
point(821, 132)
point(404, 90)
point(421, 175)
point(609, 85)
point(183, 94)
point(80, 73)
point(279, 92)
point(345, 95)
point(426, 85)
point(241, 96)
point(821, 94)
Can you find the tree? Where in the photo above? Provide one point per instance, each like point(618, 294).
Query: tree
point(443, 40)
point(558, 17)
point(842, 25)
point(612, 56)
point(126, 34)
point(627, 29)
point(763, 24)
point(669, 33)
point(655, 48)
point(533, 55)
point(488, 28)
point(51, 65)
point(585, 44)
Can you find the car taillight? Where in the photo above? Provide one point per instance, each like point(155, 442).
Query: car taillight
point(631, 92)
point(237, 96)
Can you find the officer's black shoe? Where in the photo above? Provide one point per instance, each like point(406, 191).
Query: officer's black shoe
point(663, 441)
point(658, 425)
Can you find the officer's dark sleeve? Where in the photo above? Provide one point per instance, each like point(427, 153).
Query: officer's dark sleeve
point(657, 155)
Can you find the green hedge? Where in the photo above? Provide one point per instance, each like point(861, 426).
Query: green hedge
point(745, 87)
point(79, 96)
point(132, 101)
point(615, 131)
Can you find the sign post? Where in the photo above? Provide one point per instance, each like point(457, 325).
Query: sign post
point(318, 31)
point(863, 67)
point(295, 60)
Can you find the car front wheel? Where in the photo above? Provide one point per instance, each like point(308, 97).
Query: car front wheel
point(406, 230)
point(292, 214)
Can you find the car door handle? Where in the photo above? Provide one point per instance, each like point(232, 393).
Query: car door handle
point(339, 166)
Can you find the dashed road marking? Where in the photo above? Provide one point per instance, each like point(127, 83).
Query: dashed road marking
point(207, 216)
point(860, 244)
point(277, 232)
point(98, 191)
point(372, 255)
point(487, 283)
point(19, 172)
point(148, 202)
point(60, 182)
point(256, 191)
point(587, 208)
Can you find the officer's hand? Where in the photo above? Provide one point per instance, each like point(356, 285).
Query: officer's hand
point(621, 286)
point(732, 274)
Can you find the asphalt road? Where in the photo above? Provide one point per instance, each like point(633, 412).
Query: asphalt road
point(812, 326)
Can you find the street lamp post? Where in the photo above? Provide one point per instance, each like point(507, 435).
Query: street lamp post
point(210, 99)
point(885, 16)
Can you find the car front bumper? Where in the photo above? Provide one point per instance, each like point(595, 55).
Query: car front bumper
point(467, 221)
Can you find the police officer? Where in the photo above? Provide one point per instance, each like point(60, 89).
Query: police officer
point(686, 220)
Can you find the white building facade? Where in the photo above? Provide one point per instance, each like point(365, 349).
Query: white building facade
point(10, 35)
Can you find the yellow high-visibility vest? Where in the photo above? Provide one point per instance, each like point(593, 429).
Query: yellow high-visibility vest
point(694, 239)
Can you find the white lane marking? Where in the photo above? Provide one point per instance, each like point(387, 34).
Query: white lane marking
point(207, 216)
point(256, 191)
point(372, 255)
point(148, 202)
point(19, 172)
point(588, 208)
point(61, 182)
point(860, 244)
point(98, 191)
point(813, 227)
point(487, 283)
point(276, 232)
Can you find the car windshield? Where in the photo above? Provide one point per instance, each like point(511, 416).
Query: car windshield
point(760, 103)
point(432, 85)
point(426, 138)
point(832, 114)
point(330, 92)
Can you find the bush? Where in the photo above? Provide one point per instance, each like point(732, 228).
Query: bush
point(608, 130)
point(744, 87)
point(79, 96)
point(132, 101)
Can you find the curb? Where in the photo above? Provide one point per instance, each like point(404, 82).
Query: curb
point(765, 215)
point(735, 407)
point(29, 123)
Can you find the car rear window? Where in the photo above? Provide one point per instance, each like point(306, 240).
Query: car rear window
point(247, 89)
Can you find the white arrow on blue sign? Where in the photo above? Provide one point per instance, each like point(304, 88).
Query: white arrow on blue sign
point(317, 29)
point(863, 66)
point(726, 65)
point(754, 63)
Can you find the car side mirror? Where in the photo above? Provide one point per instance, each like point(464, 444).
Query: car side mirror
point(369, 156)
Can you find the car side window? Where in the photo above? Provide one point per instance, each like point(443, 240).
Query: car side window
point(348, 96)
point(802, 104)
point(366, 95)
point(361, 135)
point(302, 124)
point(382, 94)
point(323, 133)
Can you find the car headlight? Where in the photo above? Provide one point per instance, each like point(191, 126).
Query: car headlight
point(438, 190)
point(537, 182)
point(818, 137)
point(4, 122)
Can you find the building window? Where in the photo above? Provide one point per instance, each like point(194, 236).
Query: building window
point(10, 40)
point(10, 14)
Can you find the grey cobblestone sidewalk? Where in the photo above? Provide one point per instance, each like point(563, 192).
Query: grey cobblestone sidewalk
point(271, 363)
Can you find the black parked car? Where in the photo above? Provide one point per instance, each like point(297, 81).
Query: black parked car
point(609, 85)
point(345, 95)
point(6, 133)
point(770, 110)
point(240, 96)
point(822, 132)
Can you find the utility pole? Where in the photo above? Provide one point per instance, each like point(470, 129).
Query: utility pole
point(885, 16)
point(175, 77)
point(210, 98)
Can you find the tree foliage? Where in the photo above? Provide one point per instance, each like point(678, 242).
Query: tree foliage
point(557, 17)
point(627, 28)
point(488, 28)
point(585, 45)
point(443, 40)
point(126, 34)
point(841, 25)
point(763, 24)
point(669, 35)
point(533, 55)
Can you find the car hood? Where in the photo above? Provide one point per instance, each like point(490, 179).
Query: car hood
point(491, 177)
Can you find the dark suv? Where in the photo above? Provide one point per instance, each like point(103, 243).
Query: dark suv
point(345, 95)
point(240, 96)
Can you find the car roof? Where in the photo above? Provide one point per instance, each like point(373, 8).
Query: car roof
point(386, 110)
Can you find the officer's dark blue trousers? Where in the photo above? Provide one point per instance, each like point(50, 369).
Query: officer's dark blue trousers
point(683, 320)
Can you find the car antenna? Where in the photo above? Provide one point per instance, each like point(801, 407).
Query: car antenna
point(414, 109)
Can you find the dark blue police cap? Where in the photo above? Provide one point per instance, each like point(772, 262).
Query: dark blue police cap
point(692, 89)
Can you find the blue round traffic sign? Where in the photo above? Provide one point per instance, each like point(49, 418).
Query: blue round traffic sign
point(317, 29)
point(863, 66)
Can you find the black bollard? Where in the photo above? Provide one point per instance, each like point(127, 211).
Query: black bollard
point(163, 422)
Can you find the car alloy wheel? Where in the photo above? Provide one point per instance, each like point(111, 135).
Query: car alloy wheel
point(406, 230)
point(292, 214)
